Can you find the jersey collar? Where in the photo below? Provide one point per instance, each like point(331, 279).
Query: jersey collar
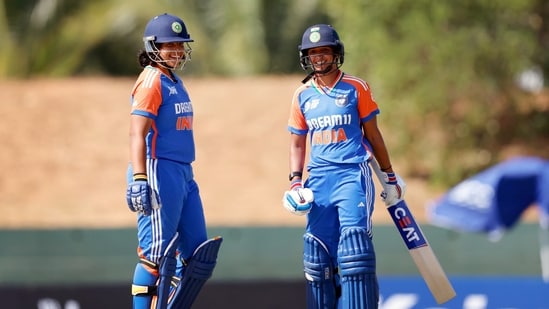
point(328, 89)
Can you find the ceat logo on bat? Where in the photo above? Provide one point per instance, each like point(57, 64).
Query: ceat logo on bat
point(407, 226)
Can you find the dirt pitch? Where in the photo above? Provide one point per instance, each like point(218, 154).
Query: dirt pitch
point(65, 152)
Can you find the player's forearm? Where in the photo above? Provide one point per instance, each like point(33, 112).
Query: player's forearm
point(297, 153)
point(382, 156)
point(297, 159)
point(380, 151)
point(139, 126)
point(138, 154)
point(138, 149)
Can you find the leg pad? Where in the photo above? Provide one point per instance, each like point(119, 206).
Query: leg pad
point(197, 271)
point(320, 275)
point(357, 266)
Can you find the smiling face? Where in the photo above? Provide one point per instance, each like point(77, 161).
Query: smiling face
point(174, 54)
point(321, 58)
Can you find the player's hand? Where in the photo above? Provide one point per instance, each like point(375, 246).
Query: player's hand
point(393, 189)
point(141, 197)
point(298, 200)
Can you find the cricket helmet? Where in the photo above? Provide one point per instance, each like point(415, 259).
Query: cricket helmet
point(166, 28)
point(318, 36)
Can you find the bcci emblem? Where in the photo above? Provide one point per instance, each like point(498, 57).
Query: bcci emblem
point(341, 101)
point(314, 36)
point(176, 27)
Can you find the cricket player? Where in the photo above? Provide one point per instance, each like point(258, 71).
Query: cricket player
point(175, 255)
point(336, 113)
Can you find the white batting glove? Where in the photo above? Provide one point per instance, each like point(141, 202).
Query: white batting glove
point(393, 189)
point(298, 200)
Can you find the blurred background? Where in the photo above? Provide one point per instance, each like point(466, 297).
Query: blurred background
point(469, 76)
point(462, 85)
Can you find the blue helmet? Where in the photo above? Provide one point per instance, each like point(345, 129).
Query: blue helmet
point(166, 28)
point(318, 36)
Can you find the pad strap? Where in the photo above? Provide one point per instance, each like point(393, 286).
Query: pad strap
point(166, 270)
point(143, 290)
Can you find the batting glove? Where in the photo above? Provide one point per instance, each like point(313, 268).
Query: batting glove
point(393, 189)
point(141, 198)
point(298, 200)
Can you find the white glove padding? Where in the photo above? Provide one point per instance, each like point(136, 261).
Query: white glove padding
point(393, 189)
point(298, 201)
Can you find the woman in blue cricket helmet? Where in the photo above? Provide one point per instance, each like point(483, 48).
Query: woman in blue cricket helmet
point(166, 42)
point(175, 255)
point(320, 35)
point(333, 136)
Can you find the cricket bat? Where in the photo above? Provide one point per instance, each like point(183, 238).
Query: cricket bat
point(419, 248)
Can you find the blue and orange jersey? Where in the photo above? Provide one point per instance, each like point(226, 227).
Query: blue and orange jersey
point(333, 119)
point(167, 103)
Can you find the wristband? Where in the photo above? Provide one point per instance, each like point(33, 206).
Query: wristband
point(295, 184)
point(391, 179)
point(295, 174)
point(139, 176)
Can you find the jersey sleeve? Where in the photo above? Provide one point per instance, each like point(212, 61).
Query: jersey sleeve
point(367, 106)
point(297, 123)
point(147, 94)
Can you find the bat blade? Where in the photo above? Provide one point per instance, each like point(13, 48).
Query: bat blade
point(422, 254)
point(433, 274)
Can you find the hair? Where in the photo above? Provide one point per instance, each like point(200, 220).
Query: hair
point(144, 59)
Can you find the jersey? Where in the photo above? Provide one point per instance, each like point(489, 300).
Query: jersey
point(167, 103)
point(333, 119)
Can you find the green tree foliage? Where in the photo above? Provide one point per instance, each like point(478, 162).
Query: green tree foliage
point(444, 72)
point(53, 38)
point(75, 37)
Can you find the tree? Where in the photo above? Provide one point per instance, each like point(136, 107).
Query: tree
point(445, 74)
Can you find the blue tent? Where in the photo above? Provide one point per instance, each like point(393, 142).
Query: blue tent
point(493, 201)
